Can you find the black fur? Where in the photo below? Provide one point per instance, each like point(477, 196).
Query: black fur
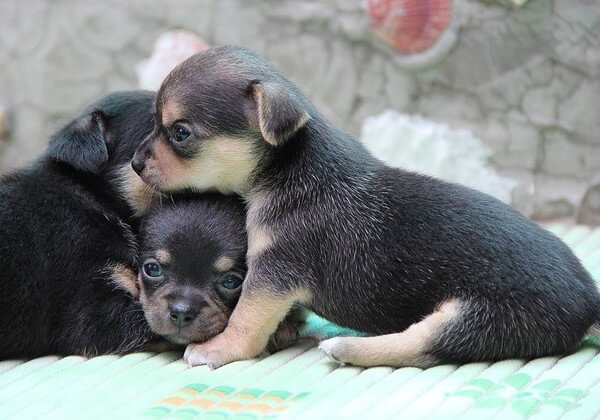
point(380, 248)
point(63, 226)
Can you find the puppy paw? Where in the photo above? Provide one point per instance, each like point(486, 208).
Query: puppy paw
point(204, 354)
point(286, 334)
point(334, 348)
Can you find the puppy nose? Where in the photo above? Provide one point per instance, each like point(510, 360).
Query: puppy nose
point(181, 314)
point(138, 164)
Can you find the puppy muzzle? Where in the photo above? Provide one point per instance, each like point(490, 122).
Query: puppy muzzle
point(141, 155)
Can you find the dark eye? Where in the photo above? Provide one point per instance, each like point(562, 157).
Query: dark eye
point(180, 133)
point(231, 281)
point(152, 270)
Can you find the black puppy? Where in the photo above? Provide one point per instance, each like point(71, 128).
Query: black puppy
point(439, 272)
point(193, 264)
point(67, 238)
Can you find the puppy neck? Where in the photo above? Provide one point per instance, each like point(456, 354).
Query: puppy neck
point(319, 155)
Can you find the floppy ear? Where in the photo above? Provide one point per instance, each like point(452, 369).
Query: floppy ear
point(279, 113)
point(81, 143)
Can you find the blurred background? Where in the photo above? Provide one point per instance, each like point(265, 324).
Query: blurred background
point(503, 95)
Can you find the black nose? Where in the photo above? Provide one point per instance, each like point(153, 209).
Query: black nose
point(137, 164)
point(181, 314)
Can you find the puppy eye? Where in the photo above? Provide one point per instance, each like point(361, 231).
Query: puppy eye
point(231, 281)
point(152, 269)
point(180, 133)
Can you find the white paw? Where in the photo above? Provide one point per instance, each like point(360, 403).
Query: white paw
point(331, 347)
point(202, 354)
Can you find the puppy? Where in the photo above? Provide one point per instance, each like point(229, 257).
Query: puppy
point(435, 272)
point(193, 264)
point(67, 237)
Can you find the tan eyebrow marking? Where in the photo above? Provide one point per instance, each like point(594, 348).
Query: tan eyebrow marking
point(170, 112)
point(163, 256)
point(224, 264)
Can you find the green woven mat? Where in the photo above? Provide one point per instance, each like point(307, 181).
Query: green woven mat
point(300, 382)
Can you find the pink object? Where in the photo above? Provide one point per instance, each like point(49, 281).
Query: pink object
point(170, 49)
point(410, 26)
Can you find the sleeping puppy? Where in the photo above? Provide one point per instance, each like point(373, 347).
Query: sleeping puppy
point(435, 272)
point(67, 237)
point(193, 264)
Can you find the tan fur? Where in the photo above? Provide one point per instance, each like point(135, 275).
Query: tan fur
point(170, 112)
point(163, 256)
point(260, 236)
point(407, 348)
point(257, 203)
point(255, 317)
point(223, 164)
point(224, 264)
point(124, 278)
point(168, 163)
point(139, 195)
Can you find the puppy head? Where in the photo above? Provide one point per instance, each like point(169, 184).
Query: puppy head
point(102, 140)
point(218, 113)
point(192, 267)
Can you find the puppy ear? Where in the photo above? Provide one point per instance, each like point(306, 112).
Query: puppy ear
point(277, 113)
point(81, 143)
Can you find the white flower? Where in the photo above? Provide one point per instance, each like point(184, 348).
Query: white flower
point(170, 49)
point(418, 144)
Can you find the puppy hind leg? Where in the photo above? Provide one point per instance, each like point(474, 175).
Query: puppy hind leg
point(408, 348)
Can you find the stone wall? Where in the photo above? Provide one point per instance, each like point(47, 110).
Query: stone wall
point(526, 81)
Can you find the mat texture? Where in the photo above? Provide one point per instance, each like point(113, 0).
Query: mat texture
point(300, 382)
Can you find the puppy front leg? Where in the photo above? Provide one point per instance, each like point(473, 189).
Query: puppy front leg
point(255, 317)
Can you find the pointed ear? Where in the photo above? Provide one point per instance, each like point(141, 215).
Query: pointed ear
point(81, 143)
point(278, 113)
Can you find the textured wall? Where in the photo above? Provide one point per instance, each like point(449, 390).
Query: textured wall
point(526, 81)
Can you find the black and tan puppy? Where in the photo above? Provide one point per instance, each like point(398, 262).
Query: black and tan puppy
point(437, 272)
point(67, 237)
point(193, 264)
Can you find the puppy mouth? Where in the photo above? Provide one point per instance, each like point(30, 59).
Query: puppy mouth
point(189, 334)
point(206, 326)
point(178, 339)
point(182, 338)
